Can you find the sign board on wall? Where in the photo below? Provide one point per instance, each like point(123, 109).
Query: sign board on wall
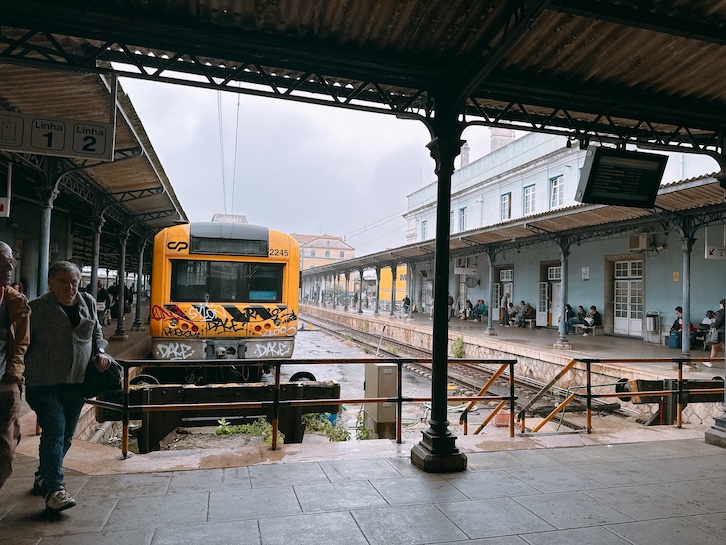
point(465, 270)
point(715, 252)
point(61, 137)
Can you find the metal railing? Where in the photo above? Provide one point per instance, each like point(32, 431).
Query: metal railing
point(679, 392)
point(125, 407)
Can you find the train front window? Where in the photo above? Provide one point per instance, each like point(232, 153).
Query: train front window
point(226, 282)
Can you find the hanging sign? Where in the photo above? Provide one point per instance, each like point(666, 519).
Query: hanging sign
point(465, 270)
point(61, 137)
point(715, 252)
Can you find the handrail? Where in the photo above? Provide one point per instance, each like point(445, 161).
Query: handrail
point(276, 403)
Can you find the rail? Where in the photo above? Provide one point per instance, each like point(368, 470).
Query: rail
point(125, 407)
point(679, 391)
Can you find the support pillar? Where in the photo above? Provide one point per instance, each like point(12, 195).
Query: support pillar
point(437, 451)
point(394, 274)
point(687, 240)
point(562, 341)
point(47, 195)
point(376, 306)
point(716, 435)
point(345, 297)
point(120, 333)
point(97, 229)
point(493, 305)
point(360, 292)
point(137, 319)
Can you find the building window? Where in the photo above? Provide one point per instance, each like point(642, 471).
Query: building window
point(506, 206)
point(506, 275)
point(327, 253)
point(462, 219)
point(312, 252)
point(556, 191)
point(342, 254)
point(554, 273)
point(451, 221)
point(529, 200)
point(424, 229)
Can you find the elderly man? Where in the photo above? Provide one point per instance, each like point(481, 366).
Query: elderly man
point(14, 340)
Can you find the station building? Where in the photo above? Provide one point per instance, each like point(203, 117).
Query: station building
point(515, 222)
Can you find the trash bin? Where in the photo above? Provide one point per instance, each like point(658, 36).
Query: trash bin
point(652, 322)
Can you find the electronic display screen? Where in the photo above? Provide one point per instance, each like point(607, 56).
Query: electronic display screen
point(620, 178)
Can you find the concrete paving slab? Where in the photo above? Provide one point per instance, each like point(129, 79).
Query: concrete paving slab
point(571, 510)
point(493, 517)
point(643, 502)
point(503, 540)
point(707, 494)
point(256, 503)
point(240, 532)
point(489, 484)
point(144, 511)
point(407, 525)
point(264, 476)
point(665, 531)
point(576, 536)
point(338, 496)
point(327, 528)
point(424, 489)
point(356, 470)
point(714, 523)
point(137, 537)
point(554, 479)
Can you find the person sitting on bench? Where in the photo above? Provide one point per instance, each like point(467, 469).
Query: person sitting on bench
point(593, 319)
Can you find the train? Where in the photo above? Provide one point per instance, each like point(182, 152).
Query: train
point(223, 291)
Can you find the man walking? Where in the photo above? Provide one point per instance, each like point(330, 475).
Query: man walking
point(14, 340)
point(503, 308)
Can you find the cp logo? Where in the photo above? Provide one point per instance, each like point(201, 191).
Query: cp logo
point(178, 246)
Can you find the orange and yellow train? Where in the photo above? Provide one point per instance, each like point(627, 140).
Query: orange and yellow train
point(224, 291)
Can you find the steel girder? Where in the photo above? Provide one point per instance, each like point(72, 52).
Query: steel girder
point(265, 67)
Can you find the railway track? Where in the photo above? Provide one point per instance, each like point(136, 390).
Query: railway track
point(467, 379)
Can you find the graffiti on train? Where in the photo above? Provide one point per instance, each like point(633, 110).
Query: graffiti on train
point(174, 351)
point(179, 332)
point(272, 349)
point(223, 319)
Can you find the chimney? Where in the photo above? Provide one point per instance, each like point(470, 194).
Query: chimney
point(500, 138)
point(465, 154)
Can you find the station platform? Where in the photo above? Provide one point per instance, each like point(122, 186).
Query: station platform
point(640, 486)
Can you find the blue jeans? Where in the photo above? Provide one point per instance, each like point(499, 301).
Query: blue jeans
point(57, 408)
point(571, 325)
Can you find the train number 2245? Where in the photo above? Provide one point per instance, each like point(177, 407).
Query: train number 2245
point(278, 252)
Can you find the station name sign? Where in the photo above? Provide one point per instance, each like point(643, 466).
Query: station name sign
point(52, 136)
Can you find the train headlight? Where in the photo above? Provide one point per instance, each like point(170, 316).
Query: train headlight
point(173, 323)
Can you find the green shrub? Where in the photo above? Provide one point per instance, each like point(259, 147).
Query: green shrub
point(259, 427)
point(457, 347)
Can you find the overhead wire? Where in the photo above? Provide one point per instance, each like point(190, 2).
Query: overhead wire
point(221, 146)
point(236, 141)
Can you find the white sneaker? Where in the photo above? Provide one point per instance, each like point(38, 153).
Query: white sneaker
point(584, 335)
point(59, 500)
point(707, 363)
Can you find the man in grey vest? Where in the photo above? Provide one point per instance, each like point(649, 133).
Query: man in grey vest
point(14, 340)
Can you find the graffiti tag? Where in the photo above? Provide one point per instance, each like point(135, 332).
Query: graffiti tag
point(175, 351)
point(272, 349)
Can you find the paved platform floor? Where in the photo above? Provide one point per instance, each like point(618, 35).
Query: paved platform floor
point(641, 487)
point(647, 493)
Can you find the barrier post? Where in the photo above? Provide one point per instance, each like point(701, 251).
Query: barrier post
point(276, 405)
point(399, 403)
point(511, 400)
point(125, 414)
point(588, 385)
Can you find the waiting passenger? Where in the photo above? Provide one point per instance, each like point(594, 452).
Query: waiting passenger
point(479, 310)
point(593, 319)
point(466, 312)
point(528, 313)
point(578, 319)
point(569, 313)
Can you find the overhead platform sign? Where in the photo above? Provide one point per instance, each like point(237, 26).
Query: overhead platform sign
point(61, 137)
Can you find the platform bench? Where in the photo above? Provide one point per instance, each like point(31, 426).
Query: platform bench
point(532, 324)
point(591, 329)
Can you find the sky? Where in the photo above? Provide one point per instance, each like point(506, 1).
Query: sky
point(293, 167)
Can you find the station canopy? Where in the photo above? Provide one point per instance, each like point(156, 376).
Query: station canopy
point(616, 72)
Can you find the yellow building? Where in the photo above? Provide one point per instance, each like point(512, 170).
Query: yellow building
point(318, 250)
point(385, 290)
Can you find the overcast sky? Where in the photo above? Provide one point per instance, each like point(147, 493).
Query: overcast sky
point(299, 168)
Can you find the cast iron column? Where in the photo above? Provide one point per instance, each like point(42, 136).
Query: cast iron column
point(137, 320)
point(345, 297)
point(564, 244)
point(378, 291)
point(394, 273)
point(493, 305)
point(97, 224)
point(687, 241)
point(120, 333)
point(437, 450)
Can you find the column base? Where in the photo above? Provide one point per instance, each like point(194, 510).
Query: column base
point(437, 454)
point(490, 331)
point(716, 435)
point(122, 337)
point(562, 344)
